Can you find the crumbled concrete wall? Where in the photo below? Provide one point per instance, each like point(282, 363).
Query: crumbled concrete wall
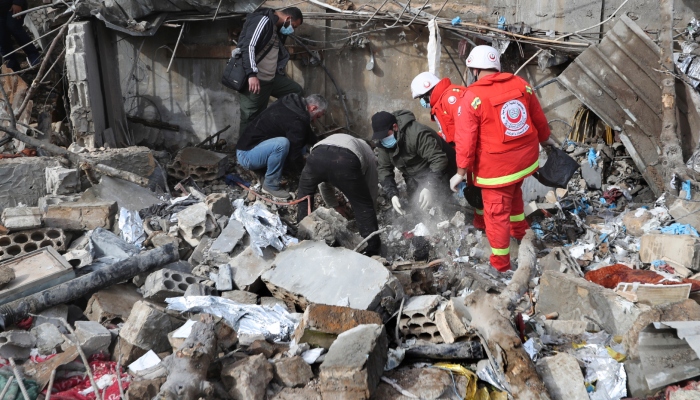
point(22, 180)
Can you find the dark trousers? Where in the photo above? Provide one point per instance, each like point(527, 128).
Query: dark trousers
point(341, 168)
point(12, 27)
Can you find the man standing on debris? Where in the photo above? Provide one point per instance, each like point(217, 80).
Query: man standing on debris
point(500, 125)
point(264, 34)
point(441, 97)
point(12, 27)
point(278, 136)
point(416, 150)
point(349, 164)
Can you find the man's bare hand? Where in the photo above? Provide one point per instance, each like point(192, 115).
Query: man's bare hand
point(254, 84)
point(15, 9)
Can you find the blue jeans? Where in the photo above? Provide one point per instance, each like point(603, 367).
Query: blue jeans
point(271, 154)
point(12, 27)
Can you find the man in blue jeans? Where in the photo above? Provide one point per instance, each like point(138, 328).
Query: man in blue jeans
point(277, 137)
point(11, 26)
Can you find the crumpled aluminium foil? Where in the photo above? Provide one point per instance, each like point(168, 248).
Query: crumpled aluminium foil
point(265, 228)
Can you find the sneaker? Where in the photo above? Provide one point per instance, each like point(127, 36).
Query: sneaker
point(279, 193)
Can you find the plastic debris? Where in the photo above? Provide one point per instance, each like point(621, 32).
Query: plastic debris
point(605, 378)
point(592, 157)
point(679, 229)
point(686, 187)
point(456, 21)
point(420, 230)
point(265, 228)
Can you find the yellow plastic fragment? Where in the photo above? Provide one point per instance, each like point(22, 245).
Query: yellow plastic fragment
point(471, 377)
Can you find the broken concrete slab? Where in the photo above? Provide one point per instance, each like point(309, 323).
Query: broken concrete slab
point(227, 240)
point(247, 379)
point(92, 337)
point(23, 242)
point(668, 352)
point(34, 272)
point(21, 218)
point(193, 222)
point(135, 159)
point(247, 268)
point(127, 194)
point(61, 180)
point(241, 296)
point(321, 323)
point(106, 244)
point(81, 216)
point(219, 204)
point(22, 180)
point(562, 376)
point(686, 212)
point(48, 338)
point(200, 164)
point(292, 372)
point(312, 272)
point(328, 225)
point(16, 344)
point(354, 365)
point(112, 305)
point(682, 250)
point(147, 328)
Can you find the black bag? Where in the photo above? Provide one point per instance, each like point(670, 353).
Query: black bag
point(234, 73)
point(473, 195)
point(558, 169)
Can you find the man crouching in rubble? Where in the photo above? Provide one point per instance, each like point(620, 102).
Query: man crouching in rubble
point(417, 151)
point(278, 137)
point(349, 164)
point(500, 125)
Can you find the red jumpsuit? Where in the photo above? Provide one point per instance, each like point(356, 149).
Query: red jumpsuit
point(444, 101)
point(499, 126)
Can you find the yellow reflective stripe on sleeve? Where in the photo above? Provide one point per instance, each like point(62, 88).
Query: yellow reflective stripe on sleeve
point(476, 103)
point(528, 89)
point(479, 211)
point(508, 178)
point(500, 252)
point(517, 218)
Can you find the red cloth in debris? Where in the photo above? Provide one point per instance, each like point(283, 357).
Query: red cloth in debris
point(23, 153)
point(610, 276)
point(70, 388)
point(691, 386)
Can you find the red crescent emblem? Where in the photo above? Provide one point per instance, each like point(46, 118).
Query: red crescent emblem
point(426, 84)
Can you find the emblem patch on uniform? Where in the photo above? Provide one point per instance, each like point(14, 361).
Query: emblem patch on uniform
point(426, 84)
point(451, 99)
point(528, 89)
point(492, 56)
point(476, 102)
point(514, 118)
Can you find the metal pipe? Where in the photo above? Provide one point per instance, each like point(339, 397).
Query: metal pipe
point(176, 44)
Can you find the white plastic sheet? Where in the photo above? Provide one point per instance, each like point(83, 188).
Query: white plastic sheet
point(434, 48)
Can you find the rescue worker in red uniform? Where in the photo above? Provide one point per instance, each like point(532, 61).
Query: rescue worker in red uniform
point(499, 127)
point(442, 98)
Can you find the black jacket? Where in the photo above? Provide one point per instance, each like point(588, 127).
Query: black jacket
point(257, 31)
point(287, 117)
point(5, 5)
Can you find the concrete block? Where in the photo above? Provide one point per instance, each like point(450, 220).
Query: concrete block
point(449, 323)
point(50, 199)
point(686, 212)
point(241, 296)
point(247, 268)
point(458, 220)
point(48, 338)
point(81, 216)
point(22, 180)
point(92, 337)
point(227, 240)
point(328, 225)
point(34, 272)
point(135, 159)
point(321, 324)
point(201, 165)
point(354, 364)
point(223, 278)
point(292, 372)
point(61, 181)
point(312, 272)
point(21, 218)
point(23, 242)
point(166, 283)
point(198, 289)
point(112, 305)
point(16, 344)
point(417, 320)
point(575, 299)
point(683, 250)
point(562, 376)
point(219, 204)
point(193, 222)
point(247, 379)
point(147, 328)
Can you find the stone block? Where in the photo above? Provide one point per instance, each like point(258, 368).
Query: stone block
point(193, 222)
point(321, 323)
point(112, 305)
point(92, 337)
point(223, 278)
point(48, 338)
point(682, 250)
point(247, 268)
point(21, 218)
point(219, 204)
point(147, 328)
point(312, 272)
point(201, 165)
point(575, 299)
point(81, 216)
point(635, 219)
point(298, 394)
point(61, 181)
point(23, 242)
point(354, 365)
point(166, 283)
point(16, 344)
point(328, 225)
point(449, 323)
point(247, 379)
point(227, 240)
point(22, 180)
point(417, 320)
point(241, 296)
point(263, 347)
point(293, 372)
point(562, 376)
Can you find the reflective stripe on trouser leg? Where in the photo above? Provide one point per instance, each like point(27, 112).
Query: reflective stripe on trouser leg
point(501, 252)
point(518, 224)
point(497, 210)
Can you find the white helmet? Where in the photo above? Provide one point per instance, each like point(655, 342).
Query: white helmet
point(484, 57)
point(422, 83)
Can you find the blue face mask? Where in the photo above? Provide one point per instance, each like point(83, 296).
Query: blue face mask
point(389, 142)
point(424, 103)
point(287, 30)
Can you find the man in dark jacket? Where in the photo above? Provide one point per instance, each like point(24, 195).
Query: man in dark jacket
point(416, 150)
point(265, 59)
point(11, 26)
point(278, 136)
